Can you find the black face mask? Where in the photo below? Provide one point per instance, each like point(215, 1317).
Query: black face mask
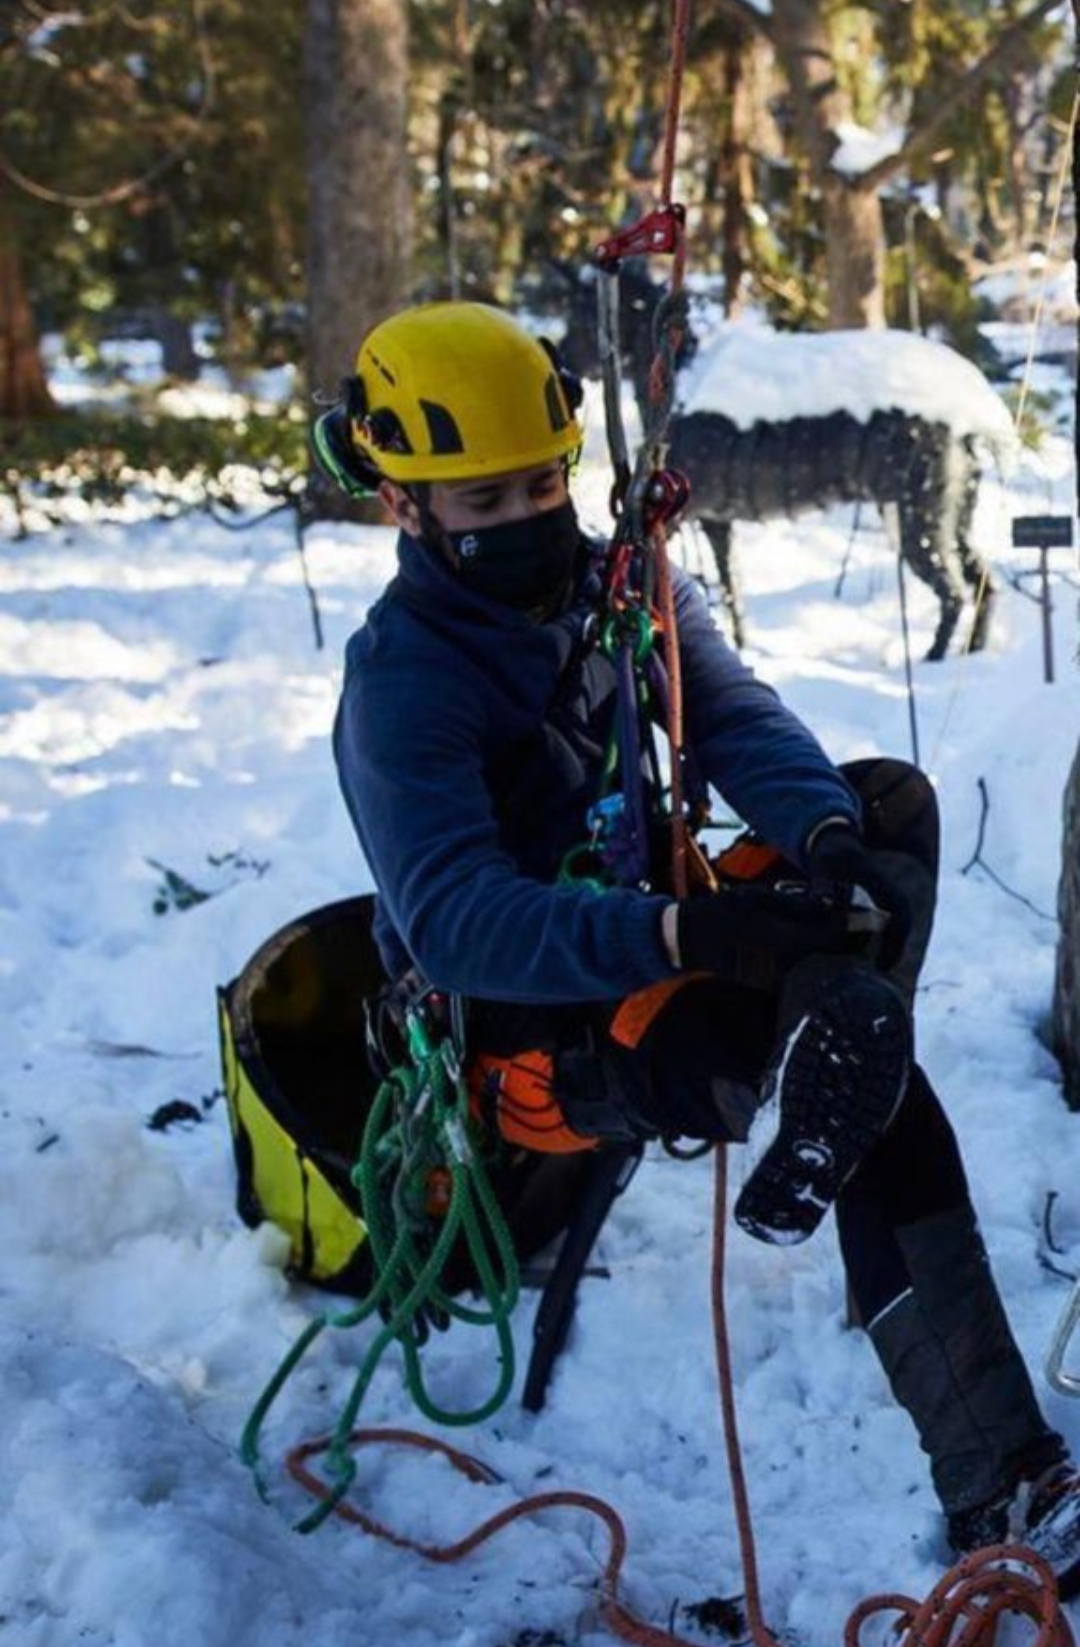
point(527, 564)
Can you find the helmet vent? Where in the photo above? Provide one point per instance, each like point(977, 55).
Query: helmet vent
point(384, 370)
point(556, 405)
point(386, 431)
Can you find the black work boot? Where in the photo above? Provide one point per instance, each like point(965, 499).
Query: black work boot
point(1000, 1472)
point(832, 1086)
point(1041, 1510)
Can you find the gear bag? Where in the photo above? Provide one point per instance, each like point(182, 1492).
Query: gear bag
point(298, 1086)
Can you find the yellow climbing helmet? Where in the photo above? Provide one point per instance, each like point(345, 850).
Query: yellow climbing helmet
point(447, 391)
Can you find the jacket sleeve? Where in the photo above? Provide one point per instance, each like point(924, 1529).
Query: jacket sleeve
point(765, 763)
point(414, 785)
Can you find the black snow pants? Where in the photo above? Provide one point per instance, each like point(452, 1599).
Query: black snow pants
point(915, 1259)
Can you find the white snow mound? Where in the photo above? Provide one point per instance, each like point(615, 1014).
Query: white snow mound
point(750, 374)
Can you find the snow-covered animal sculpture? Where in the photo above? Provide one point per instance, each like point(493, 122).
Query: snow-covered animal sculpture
point(774, 423)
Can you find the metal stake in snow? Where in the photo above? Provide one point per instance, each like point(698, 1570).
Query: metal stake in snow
point(890, 514)
point(1044, 532)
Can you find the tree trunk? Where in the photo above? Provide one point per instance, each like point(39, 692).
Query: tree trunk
point(854, 255)
point(356, 105)
point(854, 226)
point(24, 391)
point(355, 95)
point(735, 174)
point(1066, 1012)
point(178, 357)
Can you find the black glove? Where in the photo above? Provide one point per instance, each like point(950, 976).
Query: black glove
point(840, 864)
point(753, 935)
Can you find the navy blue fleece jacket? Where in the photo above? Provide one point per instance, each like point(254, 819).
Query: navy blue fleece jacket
point(469, 742)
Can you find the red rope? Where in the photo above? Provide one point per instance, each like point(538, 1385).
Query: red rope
point(680, 34)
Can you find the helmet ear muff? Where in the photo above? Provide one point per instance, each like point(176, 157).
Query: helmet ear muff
point(332, 445)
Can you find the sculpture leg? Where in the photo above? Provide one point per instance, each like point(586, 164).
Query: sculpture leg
point(718, 533)
point(927, 545)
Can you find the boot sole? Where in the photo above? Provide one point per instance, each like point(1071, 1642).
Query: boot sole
point(830, 1094)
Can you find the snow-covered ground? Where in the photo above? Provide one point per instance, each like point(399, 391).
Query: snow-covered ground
point(163, 706)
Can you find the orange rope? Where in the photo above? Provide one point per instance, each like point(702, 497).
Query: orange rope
point(658, 388)
point(726, 1381)
point(618, 1617)
point(962, 1610)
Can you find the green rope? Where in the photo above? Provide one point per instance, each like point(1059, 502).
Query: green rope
point(418, 1125)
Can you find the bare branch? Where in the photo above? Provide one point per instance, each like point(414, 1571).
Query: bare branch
point(131, 186)
point(963, 88)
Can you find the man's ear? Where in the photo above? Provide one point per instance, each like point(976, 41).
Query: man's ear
point(401, 506)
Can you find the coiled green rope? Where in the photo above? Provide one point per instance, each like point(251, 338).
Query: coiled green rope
point(418, 1132)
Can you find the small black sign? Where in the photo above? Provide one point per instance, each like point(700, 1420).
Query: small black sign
point(1042, 531)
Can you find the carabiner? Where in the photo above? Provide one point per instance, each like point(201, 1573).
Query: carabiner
point(1065, 1383)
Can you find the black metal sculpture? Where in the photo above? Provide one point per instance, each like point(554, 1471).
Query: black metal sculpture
point(926, 467)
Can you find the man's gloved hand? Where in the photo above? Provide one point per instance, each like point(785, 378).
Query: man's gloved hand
point(841, 864)
point(753, 935)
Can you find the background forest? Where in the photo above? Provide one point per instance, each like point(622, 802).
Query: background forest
point(279, 176)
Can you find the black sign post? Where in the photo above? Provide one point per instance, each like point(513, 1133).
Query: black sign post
point(1044, 532)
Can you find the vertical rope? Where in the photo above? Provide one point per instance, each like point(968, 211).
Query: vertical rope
point(1036, 320)
point(679, 36)
point(726, 1381)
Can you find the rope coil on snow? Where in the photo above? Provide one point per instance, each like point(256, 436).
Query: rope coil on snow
point(963, 1609)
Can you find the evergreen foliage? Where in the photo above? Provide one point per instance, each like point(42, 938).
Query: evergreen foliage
point(153, 158)
point(51, 469)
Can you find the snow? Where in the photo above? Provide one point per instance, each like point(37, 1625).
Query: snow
point(136, 363)
point(1032, 283)
point(859, 148)
point(749, 373)
point(162, 703)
